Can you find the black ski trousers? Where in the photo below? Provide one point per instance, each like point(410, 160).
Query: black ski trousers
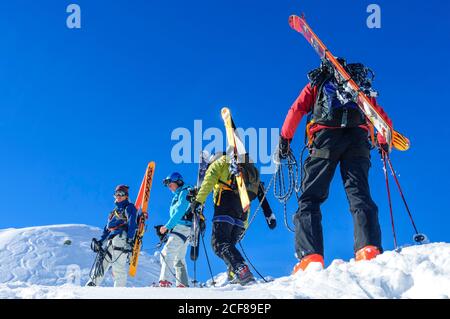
point(225, 232)
point(350, 148)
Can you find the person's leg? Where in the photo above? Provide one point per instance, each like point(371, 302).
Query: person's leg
point(308, 219)
point(105, 264)
point(119, 261)
point(367, 231)
point(223, 245)
point(167, 258)
point(180, 257)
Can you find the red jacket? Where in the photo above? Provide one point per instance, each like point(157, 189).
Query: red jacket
point(304, 104)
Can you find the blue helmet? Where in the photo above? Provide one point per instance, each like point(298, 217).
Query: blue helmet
point(173, 178)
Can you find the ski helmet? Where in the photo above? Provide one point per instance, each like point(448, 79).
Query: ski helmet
point(175, 177)
point(122, 190)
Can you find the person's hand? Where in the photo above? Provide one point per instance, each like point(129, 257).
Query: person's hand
point(382, 143)
point(196, 206)
point(163, 229)
point(284, 147)
point(190, 197)
point(130, 243)
point(271, 221)
point(96, 245)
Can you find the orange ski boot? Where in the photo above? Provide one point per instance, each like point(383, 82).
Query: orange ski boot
point(367, 253)
point(305, 261)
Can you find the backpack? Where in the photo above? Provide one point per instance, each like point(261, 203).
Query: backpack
point(251, 176)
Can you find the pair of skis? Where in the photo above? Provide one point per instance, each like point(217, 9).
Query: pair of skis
point(393, 138)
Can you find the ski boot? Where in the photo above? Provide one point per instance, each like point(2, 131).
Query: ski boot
point(305, 261)
point(91, 284)
point(367, 253)
point(165, 284)
point(244, 276)
point(231, 276)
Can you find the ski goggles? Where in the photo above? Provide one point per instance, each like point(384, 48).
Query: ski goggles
point(120, 193)
point(167, 181)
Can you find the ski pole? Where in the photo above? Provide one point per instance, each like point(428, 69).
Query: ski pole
point(418, 237)
point(207, 259)
point(383, 156)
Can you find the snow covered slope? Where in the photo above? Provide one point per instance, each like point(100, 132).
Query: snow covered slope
point(38, 255)
point(35, 263)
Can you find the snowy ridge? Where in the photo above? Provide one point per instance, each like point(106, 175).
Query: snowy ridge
point(39, 256)
point(35, 263)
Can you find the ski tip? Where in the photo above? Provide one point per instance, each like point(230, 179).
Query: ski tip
point(295, 22)
point(225, 112)
point(400, 142)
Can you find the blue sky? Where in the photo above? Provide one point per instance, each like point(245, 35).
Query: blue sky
point(84, 110)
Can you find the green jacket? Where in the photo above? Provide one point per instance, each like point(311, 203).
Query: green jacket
point(218, 170)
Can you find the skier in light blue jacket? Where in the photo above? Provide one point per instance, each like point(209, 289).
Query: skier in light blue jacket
point(173, 255)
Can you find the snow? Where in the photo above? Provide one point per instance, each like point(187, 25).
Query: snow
point(38, 256)
point(35, 263)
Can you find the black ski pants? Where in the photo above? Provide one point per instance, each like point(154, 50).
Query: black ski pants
point(350, 148)
point(227, 229)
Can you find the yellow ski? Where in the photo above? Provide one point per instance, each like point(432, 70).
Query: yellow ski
point(233, 150)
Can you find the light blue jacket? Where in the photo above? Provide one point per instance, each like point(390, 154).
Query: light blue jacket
point(179, 208)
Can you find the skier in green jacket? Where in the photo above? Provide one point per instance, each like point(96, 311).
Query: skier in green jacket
point(229, 221)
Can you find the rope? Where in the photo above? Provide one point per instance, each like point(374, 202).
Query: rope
point(248, 260)
point(282, 192)
point(257, 208)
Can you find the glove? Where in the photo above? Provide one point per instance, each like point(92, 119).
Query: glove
point(130, 243)
point(382, 144)
point(190, 197)
point(196, 206)
point(162, 237)
point(271, 221)
point(96, 245)
point(284, 147)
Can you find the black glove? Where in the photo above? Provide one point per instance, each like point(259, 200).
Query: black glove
point(192, 193)
point(271, 221)
point(196, 207)
point(162, 237)
point(382, 144)
point(284, 147)
point(96, 245)
point(130, 243)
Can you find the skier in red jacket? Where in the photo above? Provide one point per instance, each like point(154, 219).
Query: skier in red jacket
point(337, 134)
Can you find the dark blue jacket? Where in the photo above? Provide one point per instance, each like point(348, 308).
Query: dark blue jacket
point(122, 218)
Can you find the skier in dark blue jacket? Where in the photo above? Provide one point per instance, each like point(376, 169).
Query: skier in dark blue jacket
point(116, 241)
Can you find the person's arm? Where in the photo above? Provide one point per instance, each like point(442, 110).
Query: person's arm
point(105, 234)
point(131, 213)
point(211, 178)
point(302, 106)
point(178, 210)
